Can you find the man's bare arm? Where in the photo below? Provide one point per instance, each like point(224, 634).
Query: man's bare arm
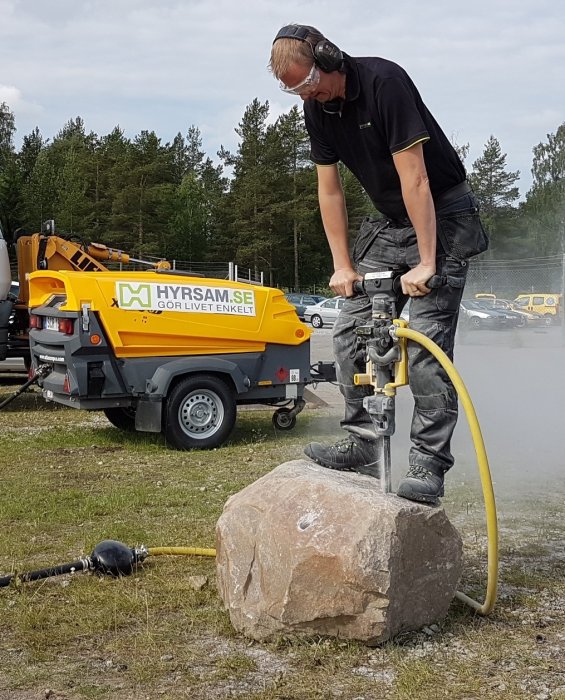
point(419, 204)
point(334, 218)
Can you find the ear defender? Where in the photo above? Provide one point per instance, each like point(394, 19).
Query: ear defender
point(327, 56)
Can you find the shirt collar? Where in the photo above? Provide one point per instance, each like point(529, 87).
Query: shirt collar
point(352, 86)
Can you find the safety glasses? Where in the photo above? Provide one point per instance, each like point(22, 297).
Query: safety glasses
point(309, 83)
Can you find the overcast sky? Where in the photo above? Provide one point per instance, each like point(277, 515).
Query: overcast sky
point(486, 67)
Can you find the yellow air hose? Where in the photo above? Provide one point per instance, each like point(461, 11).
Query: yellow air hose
point(180, 551)
point(484, 471)
point(486, 481)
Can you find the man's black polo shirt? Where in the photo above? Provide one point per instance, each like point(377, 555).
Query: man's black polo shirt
point(382, 114)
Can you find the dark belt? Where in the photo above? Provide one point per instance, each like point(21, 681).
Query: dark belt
point(453, 193)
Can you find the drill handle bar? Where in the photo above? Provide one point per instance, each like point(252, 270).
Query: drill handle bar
point(371, 285)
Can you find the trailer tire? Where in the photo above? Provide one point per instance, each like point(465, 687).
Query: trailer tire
point(200, 413)
point(122, 418)
point(282, 420)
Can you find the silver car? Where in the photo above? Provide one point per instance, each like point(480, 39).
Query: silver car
point(324, 313)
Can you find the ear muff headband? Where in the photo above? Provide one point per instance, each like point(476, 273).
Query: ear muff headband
point(327, 56)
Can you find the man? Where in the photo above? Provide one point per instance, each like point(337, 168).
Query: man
point(367, 113)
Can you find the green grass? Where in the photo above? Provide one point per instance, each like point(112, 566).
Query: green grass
point(69, 479)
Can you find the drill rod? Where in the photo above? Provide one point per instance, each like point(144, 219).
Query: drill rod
point(383, 451)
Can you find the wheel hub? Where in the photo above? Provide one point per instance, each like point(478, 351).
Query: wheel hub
point(201, 414)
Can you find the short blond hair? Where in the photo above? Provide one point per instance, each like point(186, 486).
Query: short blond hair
point(288, 51)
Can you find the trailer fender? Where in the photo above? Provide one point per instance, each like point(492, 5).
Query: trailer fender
point(148, 416)
point(158, 385)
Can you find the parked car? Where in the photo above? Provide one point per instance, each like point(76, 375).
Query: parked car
point(475, 315)
point(301, 301)
point(549, 305)
point(471, 315)
point(324, 313)
point(528, 318)
point(514, 318)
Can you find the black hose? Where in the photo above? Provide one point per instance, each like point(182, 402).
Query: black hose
point(80, 565)
point(18, 392)
point(40, 373)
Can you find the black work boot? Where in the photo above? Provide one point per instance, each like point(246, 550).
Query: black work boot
point(421, 485)
point(348, 455)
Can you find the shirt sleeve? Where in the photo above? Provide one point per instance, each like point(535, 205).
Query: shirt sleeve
point(401, 119)
point(321, 152)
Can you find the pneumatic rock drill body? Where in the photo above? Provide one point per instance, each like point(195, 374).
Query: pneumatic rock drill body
point(386, 361)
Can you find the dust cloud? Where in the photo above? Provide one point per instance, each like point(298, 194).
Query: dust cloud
point(516, 381)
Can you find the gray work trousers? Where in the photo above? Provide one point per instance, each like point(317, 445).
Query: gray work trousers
point(435, 315)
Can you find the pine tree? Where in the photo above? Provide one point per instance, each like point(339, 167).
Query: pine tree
point(7, 131)
point(544, 209)
point(187, 239)
point(195, 205)
point(32, 145)
point(73, 207)
point(39, 193)
point(493, 186)
point(299, 194)
point(495, 191)
point(143, 201)
point(549, 160)
point(10, 180)
point(110, 168)
point(253, 197)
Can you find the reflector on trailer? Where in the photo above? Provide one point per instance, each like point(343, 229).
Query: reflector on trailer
point(66, 326)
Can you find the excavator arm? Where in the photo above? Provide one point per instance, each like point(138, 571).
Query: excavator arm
point(47, 251)
point(50, 252)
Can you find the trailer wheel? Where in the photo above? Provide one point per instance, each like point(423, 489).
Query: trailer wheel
point(200, 413)
point(282, 420)
point(122, 418)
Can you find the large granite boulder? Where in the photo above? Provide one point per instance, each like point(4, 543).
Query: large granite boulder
point(306, 550)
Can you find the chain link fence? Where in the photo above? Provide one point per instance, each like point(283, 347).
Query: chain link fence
point(219, 270)
point(508, 278)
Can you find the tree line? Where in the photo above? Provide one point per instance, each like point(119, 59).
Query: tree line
point(256, 207)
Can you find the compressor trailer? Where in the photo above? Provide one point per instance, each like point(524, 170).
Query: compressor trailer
point(163, 351)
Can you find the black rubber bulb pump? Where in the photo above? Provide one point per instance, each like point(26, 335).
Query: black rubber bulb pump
point(113, 558)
